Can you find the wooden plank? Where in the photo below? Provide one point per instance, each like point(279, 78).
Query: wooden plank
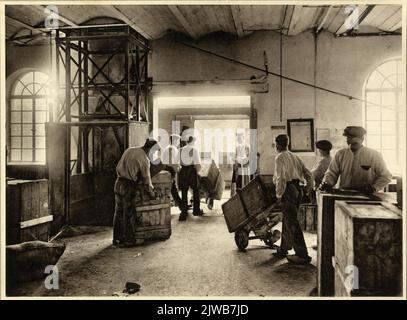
point(183, 21)
point(326, 239)
point(152, 207)
point(34, 222)
point(235, 9)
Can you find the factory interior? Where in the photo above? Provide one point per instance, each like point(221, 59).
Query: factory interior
point(86, 82)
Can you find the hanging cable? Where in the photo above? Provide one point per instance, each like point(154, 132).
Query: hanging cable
point(274, 74)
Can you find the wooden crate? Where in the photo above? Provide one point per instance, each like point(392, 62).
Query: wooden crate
point(368, 235)
point(234, 213)
point(152, 222)
point(254, 197)
point(152, 217)
point(212, 181)
point(162, 186)
point(326, 238)
point(27, 212)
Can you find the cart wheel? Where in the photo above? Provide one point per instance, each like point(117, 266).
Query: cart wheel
point(242, 239)
point(272, 237)
point(209, 203)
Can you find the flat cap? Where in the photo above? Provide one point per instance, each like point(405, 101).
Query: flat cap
point(354, 131)
point(150, 143)
point(324, 145)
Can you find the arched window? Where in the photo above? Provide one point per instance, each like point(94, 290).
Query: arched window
point(28, 113)
point(385, 113)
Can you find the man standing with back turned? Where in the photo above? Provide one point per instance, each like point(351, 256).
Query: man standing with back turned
point(289, 172)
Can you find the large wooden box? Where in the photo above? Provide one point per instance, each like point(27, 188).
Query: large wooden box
point(254, 197)
point(252, 200)
point(234, 212)
point(27, 213)
point(212, 181)
point(152, 222)
point(368, 235)
point(307, 217)
point(152, 217)
point(326, 238)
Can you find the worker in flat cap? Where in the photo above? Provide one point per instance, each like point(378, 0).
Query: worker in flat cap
point(133, 168)
point(358, 167)
point(324, 149)
point(289, 172)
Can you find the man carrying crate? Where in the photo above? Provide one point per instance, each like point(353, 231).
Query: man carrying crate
point(289, 172)
point(134, 166)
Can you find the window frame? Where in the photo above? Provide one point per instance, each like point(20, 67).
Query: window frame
point(40, 93)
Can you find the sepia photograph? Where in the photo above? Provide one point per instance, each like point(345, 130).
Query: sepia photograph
point(205, 150)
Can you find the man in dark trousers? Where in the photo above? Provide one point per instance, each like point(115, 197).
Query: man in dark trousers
point(133, 168)
point(188, 177)
point(289, 172)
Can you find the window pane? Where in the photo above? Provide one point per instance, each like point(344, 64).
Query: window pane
point(15, 142)
point(389, 127)
point(15, 104)
point(27, 117)
point(28, 90)
point(27, 142)
point(40, 116)
point(18, 89)
point(375, 80)
point(15, 129)
point(27, 78)
point(41, 77)
point(40, 129)
point(15, 117)
point(27, 155)
point(390, 156)
point(388, 99)
point(389, 113)
point(388, 68)
point(373, 113)
point(15, 155)
point(40, 142)
point(373, 127)
point(40, 155)
point(40, 104)
point(389, 142)
point(373, 97)
point(27, 104)
point(27, 130)
point(374, 141)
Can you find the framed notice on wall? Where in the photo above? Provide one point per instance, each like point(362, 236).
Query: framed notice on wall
point(301, 133)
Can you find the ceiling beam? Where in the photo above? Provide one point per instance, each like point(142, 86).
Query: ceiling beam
point(120, 15)
point(323, 20)
point(236, 20)
point(295, 16)
point(42, 9)
point(354, 19)
point(188, 28)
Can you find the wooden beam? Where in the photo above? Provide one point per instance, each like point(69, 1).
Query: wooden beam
point(21, 24)
point(57, 16)
point(354, 19)
point(188, 28)
point(295, 16)
point(323, 20)
point(236, 20)
point(120, 15)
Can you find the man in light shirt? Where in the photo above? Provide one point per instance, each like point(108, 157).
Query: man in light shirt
point(188, 177)
point(133, 168)
point(289, 172)
point(324, 148)
point(358, 167)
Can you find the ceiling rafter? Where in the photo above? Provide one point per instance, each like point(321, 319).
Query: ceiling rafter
point(324, 18)
point(120, 15)
point(183, 21)
point(56, 15)
point(354, 19)
point(295, 16)
point(236, 20)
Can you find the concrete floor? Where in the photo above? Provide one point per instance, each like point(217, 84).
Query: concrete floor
point(200, 259)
